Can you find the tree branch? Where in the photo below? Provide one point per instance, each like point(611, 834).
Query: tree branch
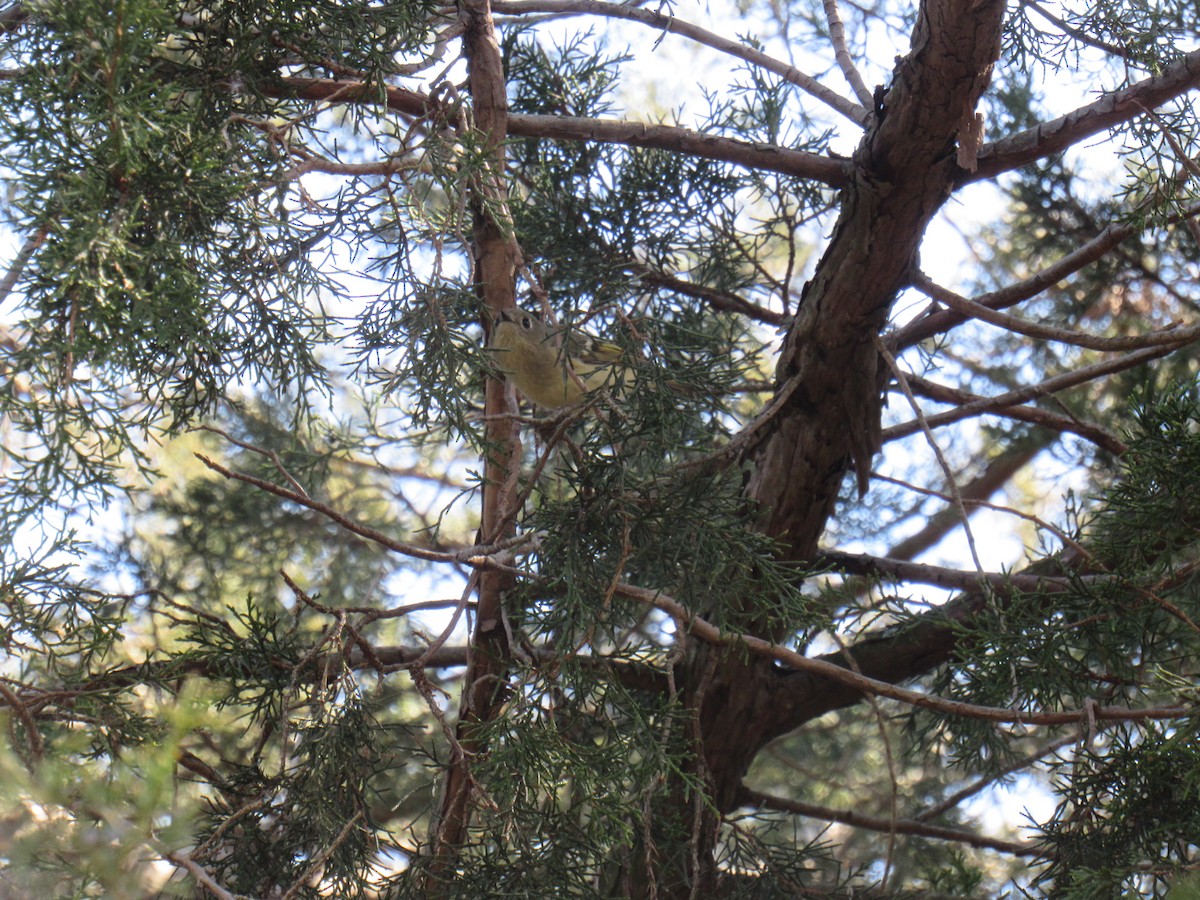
point(1114, 108)
point(1032, 414)
point(471, 555)
point(939, 576)
point(943, 320)
point(750, 797)
point(766, 157)
point(722, 300)
point(183, 861)
point(495, 257)
point(822, 668)
point(973, 310)
point(671, 25)
point(1076, 33)
point(841, 53)
point(1049, 386)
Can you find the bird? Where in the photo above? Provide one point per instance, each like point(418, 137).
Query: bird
point(552, 368)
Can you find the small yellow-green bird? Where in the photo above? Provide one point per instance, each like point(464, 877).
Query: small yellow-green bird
point(540, 361)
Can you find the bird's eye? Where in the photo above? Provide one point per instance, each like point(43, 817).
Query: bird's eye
point(526, 322)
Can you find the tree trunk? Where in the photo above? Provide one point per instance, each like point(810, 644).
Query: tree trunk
point(828, 374)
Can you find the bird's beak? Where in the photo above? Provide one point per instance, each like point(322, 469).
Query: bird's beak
point(504, 316)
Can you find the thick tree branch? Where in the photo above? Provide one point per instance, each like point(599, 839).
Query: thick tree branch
point(1115, 108)
point(766, 157)
point(903, 173)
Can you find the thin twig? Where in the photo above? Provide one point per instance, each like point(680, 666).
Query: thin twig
point(253, 448)
point(974, 788)
point(670, 24)
point(937, 451)
point(183, 861)
point(1042, 389)
point(874, 823)
point(972, 310)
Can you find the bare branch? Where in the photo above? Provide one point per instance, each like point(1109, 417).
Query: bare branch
point(721, 300)
point(749, 797)
point(939, 576)
point(1114, 108)
point(824, 669)
point(340, 518)
point(17, 268)
point(765, 157)
point(1101, 437)
point(837, 35)
point(672, 25)
point(1045, 388)
point(1017, 325)
point(1003, 465)
point(943, 320)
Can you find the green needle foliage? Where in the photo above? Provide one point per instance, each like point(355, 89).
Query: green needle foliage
point(299, 599)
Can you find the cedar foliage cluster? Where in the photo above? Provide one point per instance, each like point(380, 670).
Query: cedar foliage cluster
point(298, 599)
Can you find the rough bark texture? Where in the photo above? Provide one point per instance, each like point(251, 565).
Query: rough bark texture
point(495, 268)
point(902, 172)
